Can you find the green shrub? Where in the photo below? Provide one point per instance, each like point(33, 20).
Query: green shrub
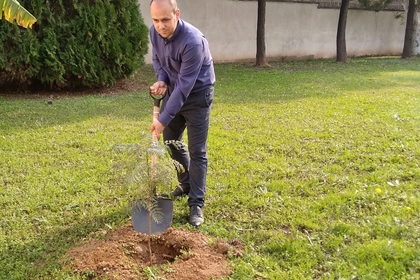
point(82, 43)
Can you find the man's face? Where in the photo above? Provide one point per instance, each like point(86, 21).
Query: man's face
point(165, 19)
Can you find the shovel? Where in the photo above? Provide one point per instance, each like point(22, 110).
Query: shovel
point(142, 219)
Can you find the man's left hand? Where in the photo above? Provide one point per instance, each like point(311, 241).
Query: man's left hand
point(157, 128)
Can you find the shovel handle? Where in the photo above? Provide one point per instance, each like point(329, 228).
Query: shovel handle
point(156, 114)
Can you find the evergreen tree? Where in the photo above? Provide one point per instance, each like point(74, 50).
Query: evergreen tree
point(81, 43)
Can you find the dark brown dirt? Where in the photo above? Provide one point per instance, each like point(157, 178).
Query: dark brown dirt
point(135, 83)
point(176, 254)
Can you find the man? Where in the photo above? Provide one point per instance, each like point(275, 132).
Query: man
point(185, 73)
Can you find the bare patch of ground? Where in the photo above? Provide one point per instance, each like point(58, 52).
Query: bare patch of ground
point(176, 254)
point(133, 84)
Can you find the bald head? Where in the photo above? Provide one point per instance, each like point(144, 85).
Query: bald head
point(171, 3)
point(165, 15)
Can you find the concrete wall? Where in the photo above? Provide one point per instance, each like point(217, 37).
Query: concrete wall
point(293, 30)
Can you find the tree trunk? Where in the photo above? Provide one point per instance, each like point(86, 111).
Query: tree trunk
point(409, 30)
point(261, 56)
point(341, 31)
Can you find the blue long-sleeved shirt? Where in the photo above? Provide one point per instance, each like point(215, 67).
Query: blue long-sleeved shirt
point(184, 63)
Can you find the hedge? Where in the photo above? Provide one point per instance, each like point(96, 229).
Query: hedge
point(73, 44)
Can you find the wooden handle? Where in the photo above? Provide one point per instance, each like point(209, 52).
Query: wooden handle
point(156, 114)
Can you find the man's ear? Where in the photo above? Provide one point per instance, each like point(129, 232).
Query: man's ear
point(177, 14)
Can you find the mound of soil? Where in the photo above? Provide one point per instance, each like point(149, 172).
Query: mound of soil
point(176, 254)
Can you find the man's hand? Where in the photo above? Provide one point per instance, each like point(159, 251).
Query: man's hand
point(158, 88)
point(157, 128)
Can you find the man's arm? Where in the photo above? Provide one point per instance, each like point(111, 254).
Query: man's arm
point(192, 61)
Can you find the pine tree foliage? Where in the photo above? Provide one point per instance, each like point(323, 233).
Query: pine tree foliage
point(148, 180)
point(82, 43)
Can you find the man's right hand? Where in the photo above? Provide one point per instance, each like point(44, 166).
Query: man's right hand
point(158, 88)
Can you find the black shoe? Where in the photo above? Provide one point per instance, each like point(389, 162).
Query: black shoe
point(196, 216)
point(181, 190)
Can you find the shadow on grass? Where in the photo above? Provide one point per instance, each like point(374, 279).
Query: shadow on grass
point(37, 113)
point(41, 258)
point(235, 84)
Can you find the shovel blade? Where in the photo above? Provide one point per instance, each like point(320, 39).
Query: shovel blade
point(140, 217)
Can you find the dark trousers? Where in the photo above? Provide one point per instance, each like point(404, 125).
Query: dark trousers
point(195, 116)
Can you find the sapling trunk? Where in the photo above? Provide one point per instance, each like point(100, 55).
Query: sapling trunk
point(152, 192)
point(149, 226)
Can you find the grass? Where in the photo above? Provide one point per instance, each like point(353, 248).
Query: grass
point(314, 165)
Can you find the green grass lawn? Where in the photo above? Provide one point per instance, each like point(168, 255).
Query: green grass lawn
point(314, 165)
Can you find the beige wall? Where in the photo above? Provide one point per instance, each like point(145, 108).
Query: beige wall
point(293, 30)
